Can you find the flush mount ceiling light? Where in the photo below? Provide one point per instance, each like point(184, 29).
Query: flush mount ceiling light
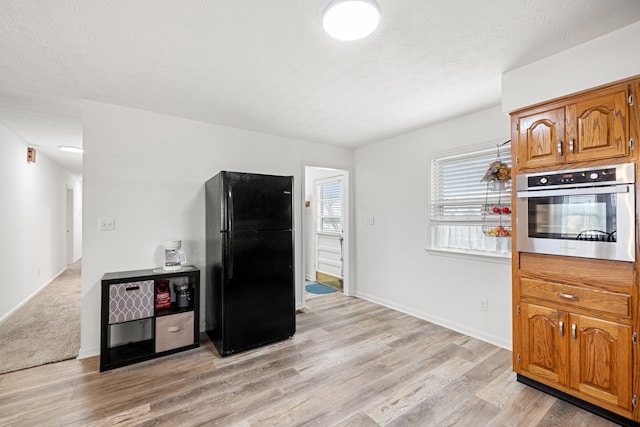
point(70, 149)
point(350, 19)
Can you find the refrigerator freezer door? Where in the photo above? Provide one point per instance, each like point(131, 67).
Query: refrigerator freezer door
point(258, 202)
point(259, 297)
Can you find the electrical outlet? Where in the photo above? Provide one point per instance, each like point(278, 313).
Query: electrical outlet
point(484, 305)
point(106, 224)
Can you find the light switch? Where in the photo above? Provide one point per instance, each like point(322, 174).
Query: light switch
point(106, 224)
point(369, 220)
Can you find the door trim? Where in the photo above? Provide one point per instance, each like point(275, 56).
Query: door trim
point(348, 224)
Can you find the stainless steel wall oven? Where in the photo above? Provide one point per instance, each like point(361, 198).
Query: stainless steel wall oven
point(586, 213)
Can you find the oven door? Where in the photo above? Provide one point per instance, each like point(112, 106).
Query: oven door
point(593, 222)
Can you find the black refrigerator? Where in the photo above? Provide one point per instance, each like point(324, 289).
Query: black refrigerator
point(250, 293)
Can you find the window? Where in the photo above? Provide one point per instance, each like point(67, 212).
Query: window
point(462, 205)
point(330, 206)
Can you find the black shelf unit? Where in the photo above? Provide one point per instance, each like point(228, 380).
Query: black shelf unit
point(138, 288)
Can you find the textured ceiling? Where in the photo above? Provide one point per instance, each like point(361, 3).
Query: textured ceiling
point(267, 65)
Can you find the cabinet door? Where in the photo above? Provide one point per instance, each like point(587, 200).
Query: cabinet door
point(544, 343)
point(601, 360)
point(597, 126)
point(540, 139)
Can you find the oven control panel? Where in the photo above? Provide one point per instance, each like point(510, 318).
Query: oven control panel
point(573, 177)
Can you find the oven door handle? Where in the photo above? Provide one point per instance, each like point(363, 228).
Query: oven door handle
point(574, 191)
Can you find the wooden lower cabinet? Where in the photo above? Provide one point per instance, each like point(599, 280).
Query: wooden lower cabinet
point(584, 356)
point(601, 360)
point(544, 350)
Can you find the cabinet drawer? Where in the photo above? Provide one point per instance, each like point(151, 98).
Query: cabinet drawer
point(130, 301)
point(174, 331)
point(574, 296)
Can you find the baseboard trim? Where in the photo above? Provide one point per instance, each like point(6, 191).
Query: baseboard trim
point(618, 419)
point(481, 335)
point(30, 297)
point(90, 352)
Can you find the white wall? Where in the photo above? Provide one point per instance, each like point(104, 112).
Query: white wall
point(77, 219)
point(392, 266)
point(148, 170)
point(32, 221)
point(604, 60)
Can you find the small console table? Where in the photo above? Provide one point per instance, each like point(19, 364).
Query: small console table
point(133, 329)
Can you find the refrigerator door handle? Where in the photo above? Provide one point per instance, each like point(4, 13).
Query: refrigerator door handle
point(230, 235)
point(230, 259)
point(230, 216)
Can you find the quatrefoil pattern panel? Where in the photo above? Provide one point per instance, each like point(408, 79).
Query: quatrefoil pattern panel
point(130, 301)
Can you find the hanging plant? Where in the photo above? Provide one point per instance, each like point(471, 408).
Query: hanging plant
point(497, 171)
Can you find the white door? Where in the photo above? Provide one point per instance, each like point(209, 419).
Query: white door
point(329, 227)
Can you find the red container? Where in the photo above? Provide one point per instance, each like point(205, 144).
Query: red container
point(163, 294)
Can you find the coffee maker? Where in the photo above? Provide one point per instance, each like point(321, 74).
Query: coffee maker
point(174, 258)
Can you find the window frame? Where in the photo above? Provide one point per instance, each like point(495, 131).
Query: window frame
point(320, 216)
point(503, 253)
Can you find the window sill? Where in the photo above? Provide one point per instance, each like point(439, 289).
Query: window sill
point(477, 256)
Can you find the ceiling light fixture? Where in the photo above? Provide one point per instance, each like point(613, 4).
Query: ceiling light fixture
point(69, 149)
point(350, 19)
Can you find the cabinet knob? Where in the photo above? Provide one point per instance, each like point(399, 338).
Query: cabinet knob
point(571, 145)
point(559, 148)
point(561, 326)
point(574, 331)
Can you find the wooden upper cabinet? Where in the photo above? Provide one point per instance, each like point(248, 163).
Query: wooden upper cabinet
point(540, 138)
point(582, 128)
point(597, 126)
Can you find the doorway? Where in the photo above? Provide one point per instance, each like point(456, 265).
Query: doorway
point(54, 303)
point(326, 227)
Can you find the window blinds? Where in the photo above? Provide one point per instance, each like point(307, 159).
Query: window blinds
point(330, 206)
point(457, 192)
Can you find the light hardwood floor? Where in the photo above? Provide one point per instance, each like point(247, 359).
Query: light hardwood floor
point(351, 363)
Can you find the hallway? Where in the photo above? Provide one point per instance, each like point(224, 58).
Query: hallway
point(47, 328)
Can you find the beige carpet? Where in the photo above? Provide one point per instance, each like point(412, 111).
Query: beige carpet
point(47, 328)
